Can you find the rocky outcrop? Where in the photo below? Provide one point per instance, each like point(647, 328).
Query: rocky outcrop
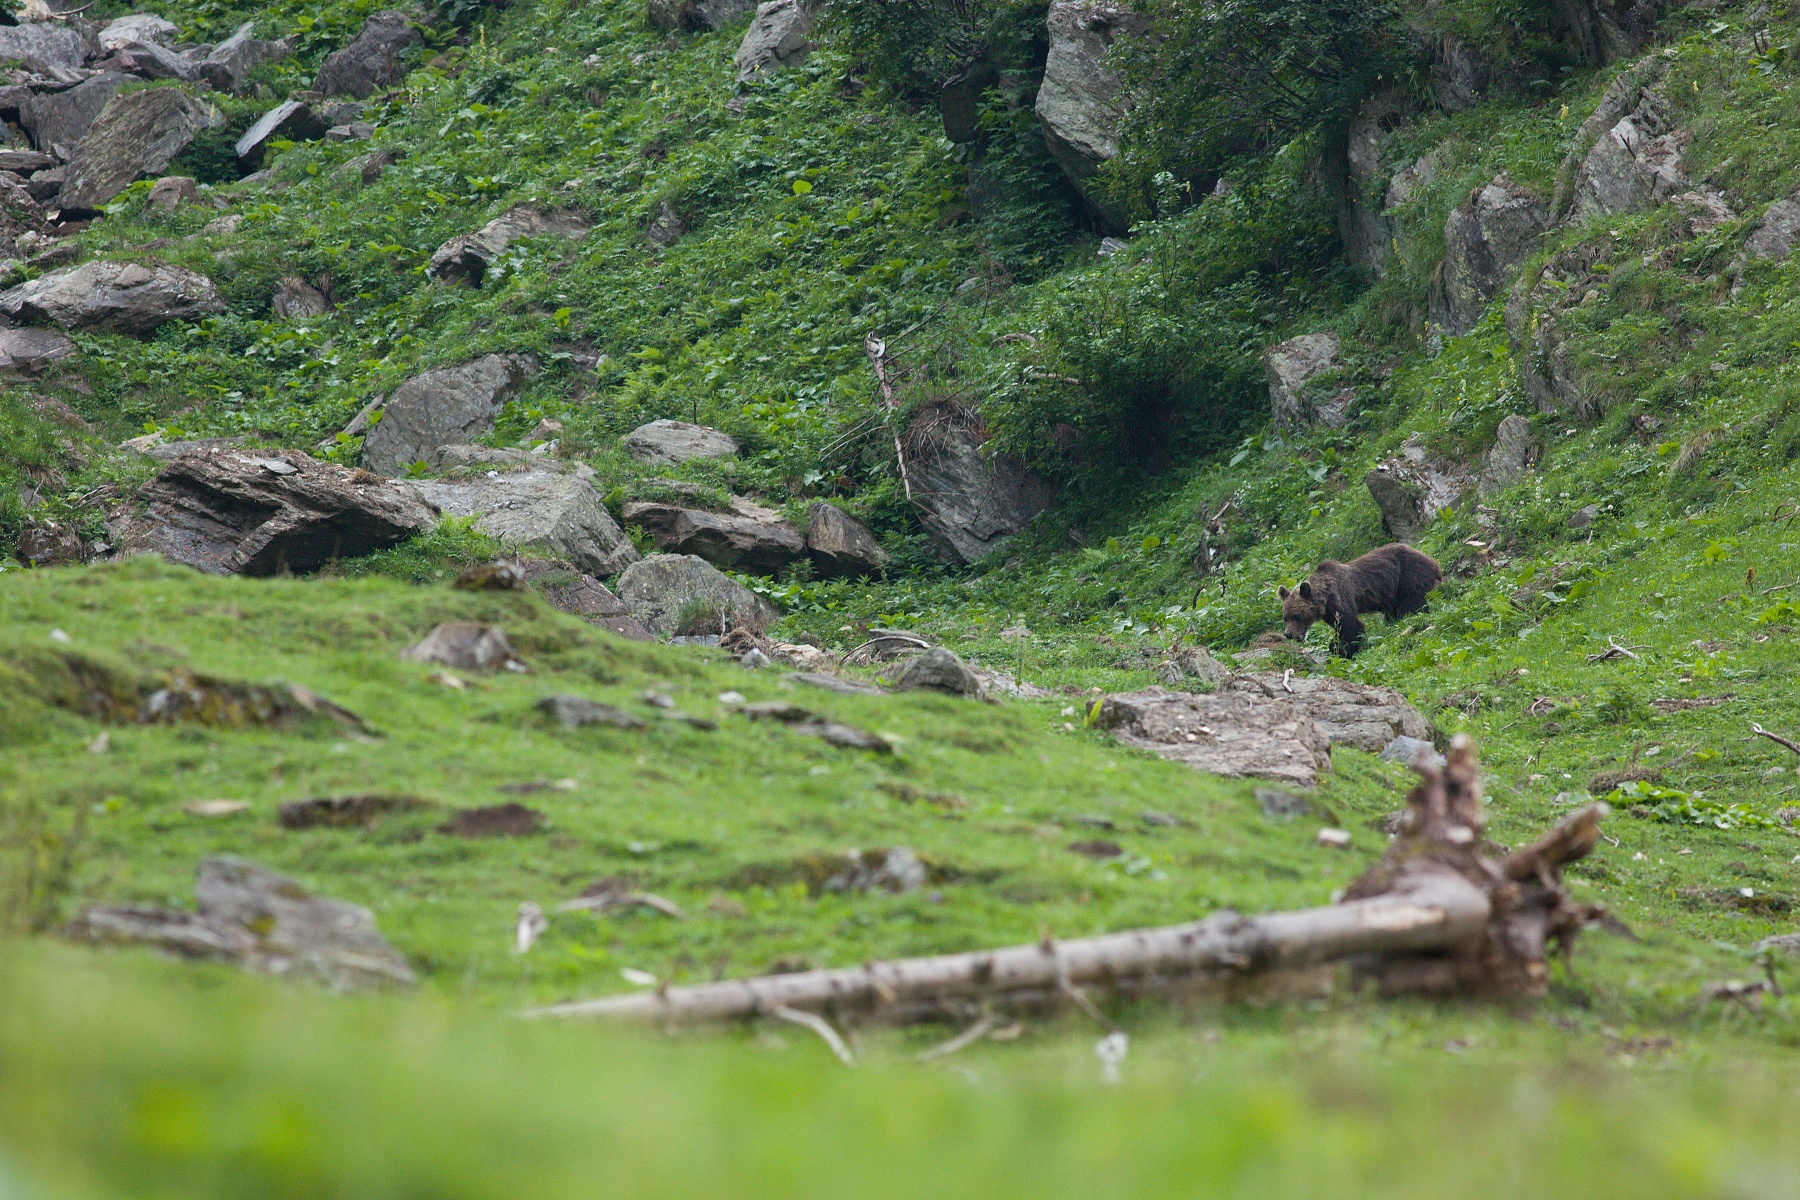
point(229, 511)
point(1625, 94)
point(1460, 74)
point(171, 192)
point(446, 407)
point(267, 922)
point(1411, 489)
point(297, 300)
point(1779, 232)
point(147, 60)
point(841, 547)
point(466, 258)
point(1514, 452)
point(1486, 238)
point(748, 538)
point(227, 68)
point(57, 121)
point(1635, 164)
point(46, 48)
point(47, 543)
point(1233, 734)
point(678, 593)
point(695, 16)
point(971, 504)
point(1348, 714)
point(780, 36)
point(583, 596)
point(665, 443)
point(25, 352)
point(554, 513)
point(291, 121)
point(371, 60)
point(1080, 102)
point(1364, 229)
point(137, 134)
point(1290, 366)
point(112, 297)
point(144, 28)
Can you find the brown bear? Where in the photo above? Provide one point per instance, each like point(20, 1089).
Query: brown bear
point(1392, 580)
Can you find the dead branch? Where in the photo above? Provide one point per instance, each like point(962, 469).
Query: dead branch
point(1759, 731)
point(877, 351)
point(820, 1026)
point(961, 1041)
point(1614, 649)
point(1434, 915)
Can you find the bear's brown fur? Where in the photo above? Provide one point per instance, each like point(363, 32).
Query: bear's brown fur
point(1392, 580)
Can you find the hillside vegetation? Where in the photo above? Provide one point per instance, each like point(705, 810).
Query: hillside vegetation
point(1548, 245)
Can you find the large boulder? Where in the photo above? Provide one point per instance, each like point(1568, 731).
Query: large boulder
point(31, 351)
point(227, 68)
point(1486, 239)
point(748, 538)
point(1412, 488)
point(547, 511)
point(297, 300)
point(841, 547)
point(1514, 452)
point(581, 595)
point(230, 511)
point(46, 48)
point(1357, 715)
point(665, 442)
point(57, 121)
point(1365, 230)
point(267, 922)
point(291, 120)
point(1625, 95)
point(371, 60)
point(1779, 232)
point(466, 257)
point(675, 593)
point(1290, 367)
point(1079, 103)
point(137, 134)
point(780, 36)
point(446, 407)
point(1634, 165)
point(938, 670)
point(147, 60)
point(695, 16)
point(112, 297)
point(971, 504)
point(1233, 734)
point(139, 28)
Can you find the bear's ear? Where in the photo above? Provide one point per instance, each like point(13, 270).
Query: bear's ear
point(1306, 591)
point(1283, 592)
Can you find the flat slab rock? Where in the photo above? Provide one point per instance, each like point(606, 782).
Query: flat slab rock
point(112, 297)
point(1233, 734)
point(1348, 714)
point(229, 511)
point(748, 538)
point(661, 443)
point(249, 914)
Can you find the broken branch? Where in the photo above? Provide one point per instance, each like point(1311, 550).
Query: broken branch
point(877, 351)
point(1773, 737)
point(820, 1026)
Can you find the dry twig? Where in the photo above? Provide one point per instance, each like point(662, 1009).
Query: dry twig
point(1759, 731)
point(818, 1025)
point(961, 1041)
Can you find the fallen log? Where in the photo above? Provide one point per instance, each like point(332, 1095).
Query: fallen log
point(1433, 915)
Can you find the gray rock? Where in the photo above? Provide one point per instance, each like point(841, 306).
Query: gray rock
point(26, 352)
point(1460, 74)
point(1582, 517)
point(972, 505)
point(290, 121)
point(371, 61)
point(465, 646)
point(841, 547)
point(172, 191)
point(574, 712)
point(1290, 366)
point(60, 119)
point(112, 297)
point(1079, 102)
point(1406, 751)
point(1634, 165)
point(1779, 231)
point(1515, 451)
point(147, 60)
point(542, 510)
point(137, 134)
point(230, 511)
point(227, 67)
point(297, 300)
point(1409, 181)
point(959, 101)
point(47, 543)
point(355, 131)
point(45, 48)
point(169, 451)
point(664, 443)
point(695, 16)
point(658, 589)
point(1486, 239)
point(581, 595)
point(780, 36)
point(1199, 663)
point(1357, 715)
point(1233, 734)
point(145, 28)
point(44, 185)
point(24, 162)
point(1411, 489)
point(448, 406)
point(1363, 226)
point(268, 922)
point(749, 538)
point(938, 670)
point(466, 258)
point(1633, 89)
point(666, 227)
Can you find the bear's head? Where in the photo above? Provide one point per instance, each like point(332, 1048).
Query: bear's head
point(1300, 608)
